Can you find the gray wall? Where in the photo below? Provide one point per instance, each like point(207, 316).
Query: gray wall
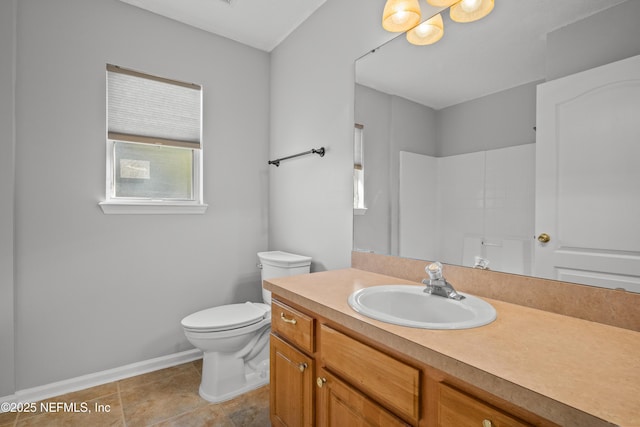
point(372, 230)
point(312, 92)
point(312, 98)
point(605, 37)
point(391, 124)
point(96, 291)
point(499, 120)
point(7, 141)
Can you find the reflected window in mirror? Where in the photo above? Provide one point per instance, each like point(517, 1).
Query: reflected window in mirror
point(359, 207)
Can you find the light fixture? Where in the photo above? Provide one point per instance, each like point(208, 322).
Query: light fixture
point(470, 10)
point(429, 32)
point(400, 15)
point(442, 3)
point(404, 16)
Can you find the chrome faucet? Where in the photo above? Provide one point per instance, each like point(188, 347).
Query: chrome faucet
point(438, 285)
point(481, 263)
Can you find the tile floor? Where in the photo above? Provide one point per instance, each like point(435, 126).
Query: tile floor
point(168, 397)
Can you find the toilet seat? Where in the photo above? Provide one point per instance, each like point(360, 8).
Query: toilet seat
point(226, 317)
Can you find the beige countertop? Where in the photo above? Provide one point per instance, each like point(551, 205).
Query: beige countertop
point(571, 371)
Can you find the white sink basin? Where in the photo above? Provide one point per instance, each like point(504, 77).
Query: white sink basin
point(409, 305)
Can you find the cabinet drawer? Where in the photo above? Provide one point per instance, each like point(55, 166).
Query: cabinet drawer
point(458, 409)
point(293, 325)
point(385, 379)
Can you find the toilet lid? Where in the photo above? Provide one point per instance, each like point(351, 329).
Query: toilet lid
point(225, 317)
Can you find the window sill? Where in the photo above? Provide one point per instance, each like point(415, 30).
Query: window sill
point(151, 208)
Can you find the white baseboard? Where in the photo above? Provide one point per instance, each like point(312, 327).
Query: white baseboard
point(91, 380)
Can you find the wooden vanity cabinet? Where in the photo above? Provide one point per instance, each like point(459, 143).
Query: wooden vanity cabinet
point(382, 378)
point(292, 367)
point(340, 405)
point(326, 375)
point(456, 408)
point(291, 385)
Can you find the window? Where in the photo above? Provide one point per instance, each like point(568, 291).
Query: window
point(154, 144)
point(358, 172)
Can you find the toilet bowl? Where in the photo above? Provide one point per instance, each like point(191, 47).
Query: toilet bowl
point(234, 338)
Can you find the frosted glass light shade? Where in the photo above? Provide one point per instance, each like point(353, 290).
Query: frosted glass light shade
point(428, 32)
point(442, 3)
point(470, 10)
point(400, 15)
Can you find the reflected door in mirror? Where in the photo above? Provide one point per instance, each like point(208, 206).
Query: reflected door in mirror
point(588, 177)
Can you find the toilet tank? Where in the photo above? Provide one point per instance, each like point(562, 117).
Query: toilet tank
point(279, 264)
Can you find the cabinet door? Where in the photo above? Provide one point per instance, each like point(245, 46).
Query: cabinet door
point(340, 405)
point(291, 386)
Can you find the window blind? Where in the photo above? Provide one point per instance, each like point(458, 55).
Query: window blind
point(153, 110)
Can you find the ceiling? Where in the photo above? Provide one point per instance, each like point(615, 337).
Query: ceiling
point(262, 24)
point(504, 50)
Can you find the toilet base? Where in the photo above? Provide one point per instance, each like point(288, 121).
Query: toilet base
point(253, 381)
point(228, 375)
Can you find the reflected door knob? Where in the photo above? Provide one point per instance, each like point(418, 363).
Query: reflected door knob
point(544, 238)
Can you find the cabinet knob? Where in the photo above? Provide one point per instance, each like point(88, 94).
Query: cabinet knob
point(487, 423)
point(320, 381)
point(302, 366)
point(284, 319)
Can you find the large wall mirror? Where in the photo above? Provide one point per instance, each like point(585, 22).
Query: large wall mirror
point(493, 144)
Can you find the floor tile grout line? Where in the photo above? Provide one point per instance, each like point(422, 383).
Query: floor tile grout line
point(174, 417)
point(169, 377)
point(221, 407)
point(193, 365)
point(129, 389)
point(224, 410)
point(124, 420)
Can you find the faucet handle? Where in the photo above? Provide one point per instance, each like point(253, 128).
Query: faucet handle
point(434, 270)
point(481, 263)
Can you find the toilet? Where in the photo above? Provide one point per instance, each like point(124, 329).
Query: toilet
point(234, 338)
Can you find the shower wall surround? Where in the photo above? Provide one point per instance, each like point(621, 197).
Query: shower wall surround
point(458, 207)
